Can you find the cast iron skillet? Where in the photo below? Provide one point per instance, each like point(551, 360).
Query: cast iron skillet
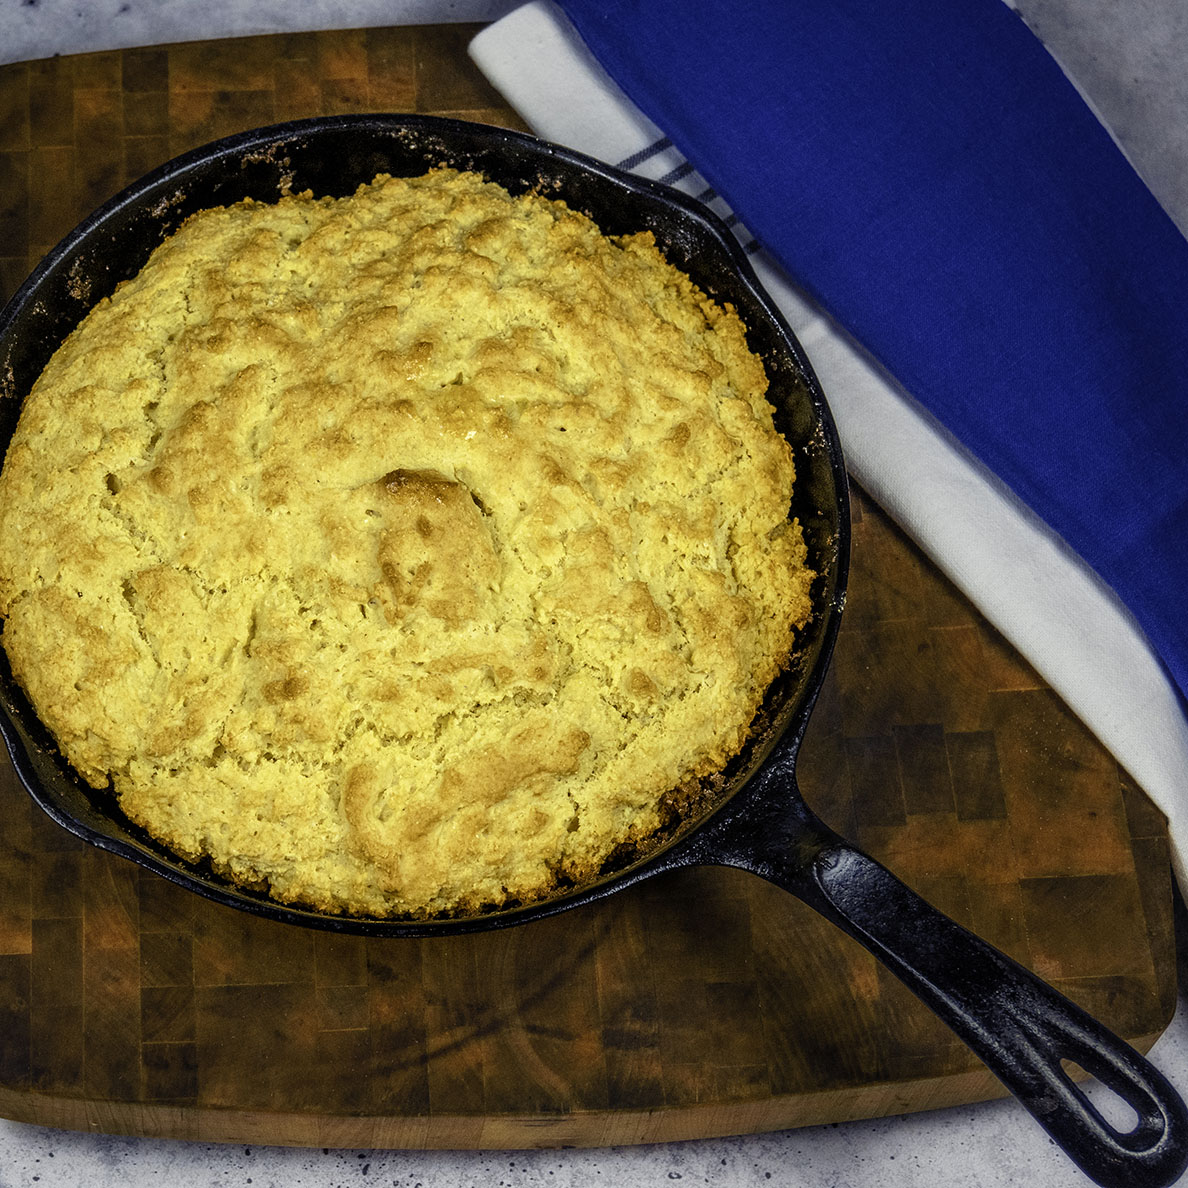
point(755, 819)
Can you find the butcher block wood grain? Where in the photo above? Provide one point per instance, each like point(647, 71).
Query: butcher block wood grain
point(704, 1003)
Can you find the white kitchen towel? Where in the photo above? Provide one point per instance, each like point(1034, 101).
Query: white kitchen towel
point(1052, 607)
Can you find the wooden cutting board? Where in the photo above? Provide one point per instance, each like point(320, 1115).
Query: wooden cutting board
point(704, 1003)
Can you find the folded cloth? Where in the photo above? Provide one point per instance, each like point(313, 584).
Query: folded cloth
point(1060, 371)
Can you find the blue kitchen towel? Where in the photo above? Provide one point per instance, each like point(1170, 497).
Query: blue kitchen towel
point(925, 171)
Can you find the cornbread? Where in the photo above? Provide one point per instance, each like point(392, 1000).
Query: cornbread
point(400, 553)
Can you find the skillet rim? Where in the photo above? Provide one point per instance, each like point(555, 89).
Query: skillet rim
point(677, 220)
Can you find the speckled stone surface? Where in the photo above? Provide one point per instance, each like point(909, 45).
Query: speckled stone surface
point(1131, 61)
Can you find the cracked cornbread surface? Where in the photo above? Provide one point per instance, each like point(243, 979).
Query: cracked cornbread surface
point(400, 552)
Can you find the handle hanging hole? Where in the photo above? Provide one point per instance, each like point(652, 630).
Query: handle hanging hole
point(1118, 1113)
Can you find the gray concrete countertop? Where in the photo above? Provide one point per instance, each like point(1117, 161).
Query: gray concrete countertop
point(1131, 61)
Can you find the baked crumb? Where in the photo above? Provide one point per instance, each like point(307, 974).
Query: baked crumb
point(400, 552)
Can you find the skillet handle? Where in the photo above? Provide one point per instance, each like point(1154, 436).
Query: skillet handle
point(1016, 1023)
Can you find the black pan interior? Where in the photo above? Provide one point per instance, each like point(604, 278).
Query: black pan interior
point(332, 156)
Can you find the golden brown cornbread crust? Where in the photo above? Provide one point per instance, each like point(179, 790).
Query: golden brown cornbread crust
point(400, 551)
